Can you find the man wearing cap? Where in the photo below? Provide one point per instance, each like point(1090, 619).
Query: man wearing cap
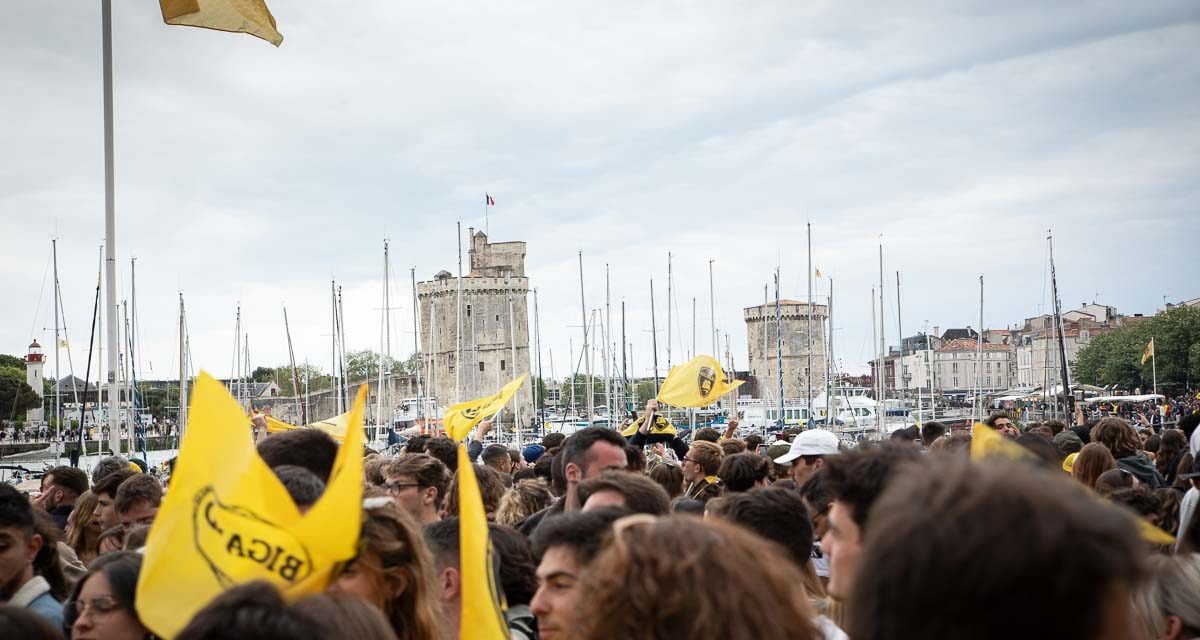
point(1187, 507)
point(808, 452)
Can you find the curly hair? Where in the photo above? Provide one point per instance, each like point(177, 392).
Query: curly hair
point(638, 592)
point(394, 539)
point(1118, 436)
point(491, 488)
point(524, 499)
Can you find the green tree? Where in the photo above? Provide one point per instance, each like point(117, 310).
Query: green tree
point(1116, 358)
point(157, 400)
point(16, 396)
point(645, 391)
point(12, 361)
point(263, 374)
point(364, 365)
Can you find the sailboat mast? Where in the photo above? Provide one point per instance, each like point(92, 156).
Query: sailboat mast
point(654, 336)
point(900, 379)
point(57, 344)
point(417, 346)
point(808, 376)
point(458, 363)
point(829, 356)
point(878, 367)
point(539, 398)
point(624, 364)
point(608, 406)
point(779, 350)
point(382, 342)
point(669, 298)
point(882, 339)
point(977, 406)
point(183, 377)
point(1068, 400)
point(587, 363)
point(512, 337)
point(295, 374)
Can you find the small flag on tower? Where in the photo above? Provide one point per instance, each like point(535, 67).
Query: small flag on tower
point(488, 200)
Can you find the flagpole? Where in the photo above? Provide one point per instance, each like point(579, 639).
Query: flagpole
point(110, 230)
point(1154, 365)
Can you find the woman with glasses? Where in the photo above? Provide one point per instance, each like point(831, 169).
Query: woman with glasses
point(394, 571)
point(101, 606)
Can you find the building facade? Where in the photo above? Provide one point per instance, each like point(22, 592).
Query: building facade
point(762, 331)
point(494, 317)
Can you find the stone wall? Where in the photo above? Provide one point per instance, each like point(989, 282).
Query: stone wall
point(764, 370)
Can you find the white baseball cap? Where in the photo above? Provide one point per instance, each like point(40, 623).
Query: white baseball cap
point(813, 442)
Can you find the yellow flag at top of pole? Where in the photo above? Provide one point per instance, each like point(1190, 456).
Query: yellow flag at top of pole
point(227, 520)
point(1149, 352)
point(698, 382)
point(237, 16)
point(482, 600)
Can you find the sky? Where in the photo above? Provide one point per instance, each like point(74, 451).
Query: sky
point(955, 134)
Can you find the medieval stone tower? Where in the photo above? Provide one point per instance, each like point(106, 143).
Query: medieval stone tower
point(761, 331)
point(494, 316)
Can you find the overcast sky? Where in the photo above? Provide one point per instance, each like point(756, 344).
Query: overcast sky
point(957, 133)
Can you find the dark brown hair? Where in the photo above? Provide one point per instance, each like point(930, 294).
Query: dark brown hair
point(669, 477)
point(137, 488)
point(741, 471)
point(858, 477)
point(1118, 436)
point(642, 495)
point(425, 470)
point(1093, 460)
point(394, 538)
point(1007, 544)
point(490, 488)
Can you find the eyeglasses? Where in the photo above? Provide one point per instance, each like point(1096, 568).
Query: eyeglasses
point(397, 487)
point(690, 460)
point(98, 606)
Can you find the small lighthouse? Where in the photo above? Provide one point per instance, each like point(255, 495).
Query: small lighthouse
point(34, 362)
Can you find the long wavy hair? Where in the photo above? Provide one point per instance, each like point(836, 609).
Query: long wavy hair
point(85, 529)
point(1093, 460)
point(394, 537)
point(718, 581)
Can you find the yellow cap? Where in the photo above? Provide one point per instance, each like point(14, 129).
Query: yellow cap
point(1069, 462)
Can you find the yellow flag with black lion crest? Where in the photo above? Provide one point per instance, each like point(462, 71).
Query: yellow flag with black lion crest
point(227, 520)
point(698, 382)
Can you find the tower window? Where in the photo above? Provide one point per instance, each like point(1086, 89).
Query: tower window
point(481, 365)
point(502, 365)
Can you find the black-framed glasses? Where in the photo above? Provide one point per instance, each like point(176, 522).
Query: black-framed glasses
point(397, 487)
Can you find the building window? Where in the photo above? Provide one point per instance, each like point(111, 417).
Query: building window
point(954, 369)
point(956, 383)
point(481, 365)
point(502, 365)
point(497, 317)
point(468, 311)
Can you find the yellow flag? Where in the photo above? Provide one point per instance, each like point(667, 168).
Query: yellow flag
point(1149, 352)
point(482, 611)
point(818, 273)
point(335, 426)
point(239, 16)
point(986, 443)
point(227, 520)
point(698, 382)
point(462, 417)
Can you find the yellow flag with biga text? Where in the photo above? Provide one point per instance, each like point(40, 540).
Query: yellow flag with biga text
point(482, 601)
point(227, 520)
point(237, 16)
point(698, 382)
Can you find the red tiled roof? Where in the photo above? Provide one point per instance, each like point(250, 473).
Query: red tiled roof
point(966, 344)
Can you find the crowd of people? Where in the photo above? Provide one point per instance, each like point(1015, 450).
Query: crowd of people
point(601, 535)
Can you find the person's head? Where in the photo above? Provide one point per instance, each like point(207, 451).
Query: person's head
point(1002, 423)
point(418, 482)
point(590, 452)
point(416, 444)
point(312, 449)
point(442, 537)
point(552, 440)
point(344, 616)
point(808, 451)
point(669, 476)
point(1170, 445)
point(1116, 434)
point(1040, 447)
point(632, 491)
point(1021, 552)
point(931, 431)
point(1168, 603)
point(83, 527)
point(819, 501)
point(777, 514)
point(855, 479)
point(636, 591)
point(1067, 442)
point(518, 569)
point(373, 469)
point(752, 442)
point(730, 447)
point(251, 610)
point(524, 499)
point(1043, 431)
point(496, 456)
point(564, 544)
point(635, 459)
point(106, 497)
point(703, 460)
point(532, 452)
point(743, 471)
point(491, 490)
point(20, 542)
point(107, 465)
point(63, 486)
point(393, 571)
point(1093, 460)
point(1114, 480)
point(445, 450)
point(302, 485)
point(138, 499)
point(707, 434)
point(101, 606)
point(19, 622)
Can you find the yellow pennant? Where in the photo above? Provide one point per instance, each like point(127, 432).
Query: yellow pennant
point(698, 382)
point(227, 520)
point(986, 443)
point(482, 608)
point(462, 417)
point(238, 16)
point(1149, 352)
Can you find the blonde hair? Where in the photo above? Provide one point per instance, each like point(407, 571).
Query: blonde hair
point(84, 538)
point(526, 498)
